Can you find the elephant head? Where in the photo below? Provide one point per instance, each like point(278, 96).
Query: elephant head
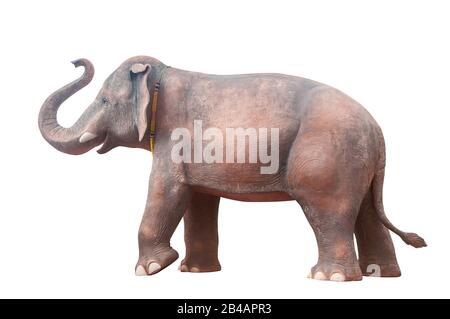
point(119, 115)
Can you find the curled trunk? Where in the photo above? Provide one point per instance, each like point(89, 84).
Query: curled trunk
point(66, 139)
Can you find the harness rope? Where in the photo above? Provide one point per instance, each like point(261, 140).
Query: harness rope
point(153, 110)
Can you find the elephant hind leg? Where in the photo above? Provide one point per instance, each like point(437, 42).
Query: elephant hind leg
point(330, 201)
point(334, 234)
point(201, 235)
point(375, 248)
point(329, 186)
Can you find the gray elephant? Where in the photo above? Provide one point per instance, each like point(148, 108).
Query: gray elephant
point(330, 159)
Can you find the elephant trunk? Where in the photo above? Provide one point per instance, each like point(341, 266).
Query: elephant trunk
point(66, 140)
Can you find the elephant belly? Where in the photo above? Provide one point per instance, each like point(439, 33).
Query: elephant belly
point(234, 178)
point(247, 197)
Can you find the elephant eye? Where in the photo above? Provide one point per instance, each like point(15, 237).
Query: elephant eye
point(105, 101)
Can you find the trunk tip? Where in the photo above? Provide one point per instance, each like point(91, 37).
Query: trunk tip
point(79, 62)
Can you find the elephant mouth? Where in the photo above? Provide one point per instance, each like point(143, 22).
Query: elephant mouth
point(104, 141)
point(106, 145)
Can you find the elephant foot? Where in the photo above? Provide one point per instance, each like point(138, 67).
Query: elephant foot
point(380, 270)
point(336, 272)
point(197, 266)
point(154, 259)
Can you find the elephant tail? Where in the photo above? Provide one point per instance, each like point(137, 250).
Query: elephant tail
point(377, 192)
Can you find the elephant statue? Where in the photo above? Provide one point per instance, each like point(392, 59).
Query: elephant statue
point(327, 153)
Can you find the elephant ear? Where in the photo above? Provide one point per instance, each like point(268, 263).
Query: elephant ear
point(139, 76)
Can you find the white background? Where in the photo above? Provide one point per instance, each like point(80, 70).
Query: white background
point(68, 224)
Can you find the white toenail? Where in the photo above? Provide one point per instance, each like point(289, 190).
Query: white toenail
point(195, 269)
point(320, 276)
point(140, 271)
point(184, 268)
point(337, 277)
point(153, 267)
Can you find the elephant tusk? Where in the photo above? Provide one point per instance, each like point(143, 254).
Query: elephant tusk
point(87, 136)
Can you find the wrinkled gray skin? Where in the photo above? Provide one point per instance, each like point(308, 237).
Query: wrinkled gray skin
point(331, 150)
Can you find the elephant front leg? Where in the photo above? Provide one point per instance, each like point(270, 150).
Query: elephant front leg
point(166, 203)
point(200, 234)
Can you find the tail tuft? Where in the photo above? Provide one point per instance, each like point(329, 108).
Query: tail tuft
point(414, 240)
